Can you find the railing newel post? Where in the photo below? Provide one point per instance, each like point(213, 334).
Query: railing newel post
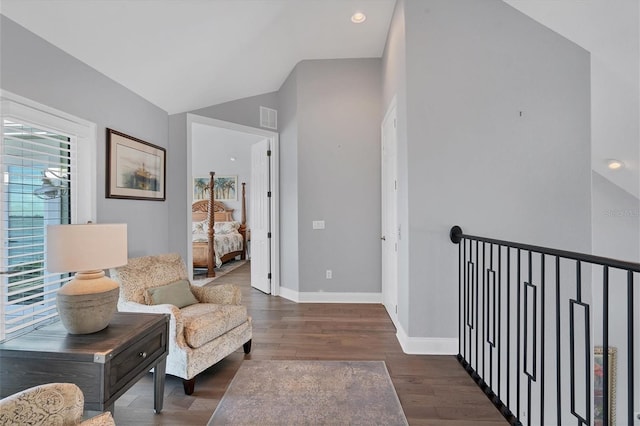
point(455, 234)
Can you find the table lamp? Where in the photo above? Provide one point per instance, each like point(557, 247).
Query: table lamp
point(87, 303)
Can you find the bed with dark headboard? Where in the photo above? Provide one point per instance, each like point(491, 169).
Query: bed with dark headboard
point(216, 236)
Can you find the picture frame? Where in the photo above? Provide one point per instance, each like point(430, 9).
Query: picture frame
point(225, 188)
point(136, 169)
point(598, 386)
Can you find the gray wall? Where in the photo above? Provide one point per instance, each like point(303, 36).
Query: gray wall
point(338, 114)
point(179, 167)
point(244, 111)
point(33, 68)
point(329, 125)
point(289, 199)
point(472, 159)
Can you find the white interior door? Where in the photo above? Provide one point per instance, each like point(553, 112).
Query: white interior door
point(259, 210)
point(390, 213)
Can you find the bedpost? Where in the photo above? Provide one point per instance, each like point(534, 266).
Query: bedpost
point(210, 219)
point(244, 205)
point(243, 224)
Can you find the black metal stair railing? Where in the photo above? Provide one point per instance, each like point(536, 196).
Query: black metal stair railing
point(549, 335)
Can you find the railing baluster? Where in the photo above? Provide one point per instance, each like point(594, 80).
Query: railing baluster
point(526, 351)
point(465, 302)
point(499, 311)
point(630, 343)
point(466, 295)
point(542, 333)
point(475, 314)
point(469, 310)
point(558, 346)
point(460, 299)
point(470, 299)
point(519, 413)
point(509, 327)
point(605, 344)
point(484, 314)
point(491, 314)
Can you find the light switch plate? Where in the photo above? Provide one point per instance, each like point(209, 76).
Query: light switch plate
point(318, 224)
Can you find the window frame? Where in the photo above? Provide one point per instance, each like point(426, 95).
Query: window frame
point(83, 173)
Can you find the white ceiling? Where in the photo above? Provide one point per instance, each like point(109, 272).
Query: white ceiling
point(183, 55)
point(187, 54)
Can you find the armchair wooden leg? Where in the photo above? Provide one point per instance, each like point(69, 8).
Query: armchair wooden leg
point(189, 385)
point(247, 347)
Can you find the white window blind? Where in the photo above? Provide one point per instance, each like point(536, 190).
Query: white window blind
point(36, 165)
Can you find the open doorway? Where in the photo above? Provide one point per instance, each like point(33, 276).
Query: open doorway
point(226, 148)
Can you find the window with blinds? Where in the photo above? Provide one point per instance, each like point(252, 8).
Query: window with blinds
point(36, 165)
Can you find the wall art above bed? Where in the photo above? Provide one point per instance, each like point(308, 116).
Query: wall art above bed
point(225, 188)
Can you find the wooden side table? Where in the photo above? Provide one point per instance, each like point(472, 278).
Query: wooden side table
point(103, 364)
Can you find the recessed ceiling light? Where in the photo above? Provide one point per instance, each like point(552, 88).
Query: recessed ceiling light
point(358, 18)
point(232, 158)
point(615, 164)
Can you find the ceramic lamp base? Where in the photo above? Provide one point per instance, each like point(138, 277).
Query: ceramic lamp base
point(87, 303)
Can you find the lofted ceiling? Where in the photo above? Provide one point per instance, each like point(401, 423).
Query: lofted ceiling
point(183, 55)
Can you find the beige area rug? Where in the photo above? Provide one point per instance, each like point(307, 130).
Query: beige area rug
point(310, 393)
point(200, 275)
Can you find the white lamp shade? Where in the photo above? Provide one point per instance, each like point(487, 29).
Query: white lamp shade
point(87, 247)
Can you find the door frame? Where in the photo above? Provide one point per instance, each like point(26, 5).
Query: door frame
point(275, 185)
point(391, 113)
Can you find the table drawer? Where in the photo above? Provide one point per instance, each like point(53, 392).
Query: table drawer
point(138, 358)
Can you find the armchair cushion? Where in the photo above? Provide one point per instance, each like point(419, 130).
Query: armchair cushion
point(177, 293)
point(222, 294)
point(203, 322)
point(146, 272)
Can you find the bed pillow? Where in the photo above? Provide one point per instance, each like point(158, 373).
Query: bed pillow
point(222, 228)
point(177, 293)
point(201, 227)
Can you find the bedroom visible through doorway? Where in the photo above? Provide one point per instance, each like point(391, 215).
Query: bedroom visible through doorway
point(226, 148)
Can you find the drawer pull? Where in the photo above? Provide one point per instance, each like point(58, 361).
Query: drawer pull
point(142, 354)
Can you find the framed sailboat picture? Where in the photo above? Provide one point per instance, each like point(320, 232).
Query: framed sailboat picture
point(135, 169)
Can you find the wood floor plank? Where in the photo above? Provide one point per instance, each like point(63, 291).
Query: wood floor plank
point(433, 390)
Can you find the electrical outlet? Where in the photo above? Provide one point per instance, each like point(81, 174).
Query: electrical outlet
point(329, 274)
point(318, 224)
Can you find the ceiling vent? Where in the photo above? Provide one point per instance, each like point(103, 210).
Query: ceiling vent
point(268, 118)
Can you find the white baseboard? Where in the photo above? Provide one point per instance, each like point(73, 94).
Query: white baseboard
point(288, 294)
point(426, 345)
point(329, 297)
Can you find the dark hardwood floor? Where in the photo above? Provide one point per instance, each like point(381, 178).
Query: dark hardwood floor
point(433, 390)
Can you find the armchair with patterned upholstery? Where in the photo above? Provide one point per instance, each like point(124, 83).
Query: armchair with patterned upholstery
point(207, 323)
point(51, 404)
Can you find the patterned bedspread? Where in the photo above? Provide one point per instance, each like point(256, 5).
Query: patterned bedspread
point(226, 238)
